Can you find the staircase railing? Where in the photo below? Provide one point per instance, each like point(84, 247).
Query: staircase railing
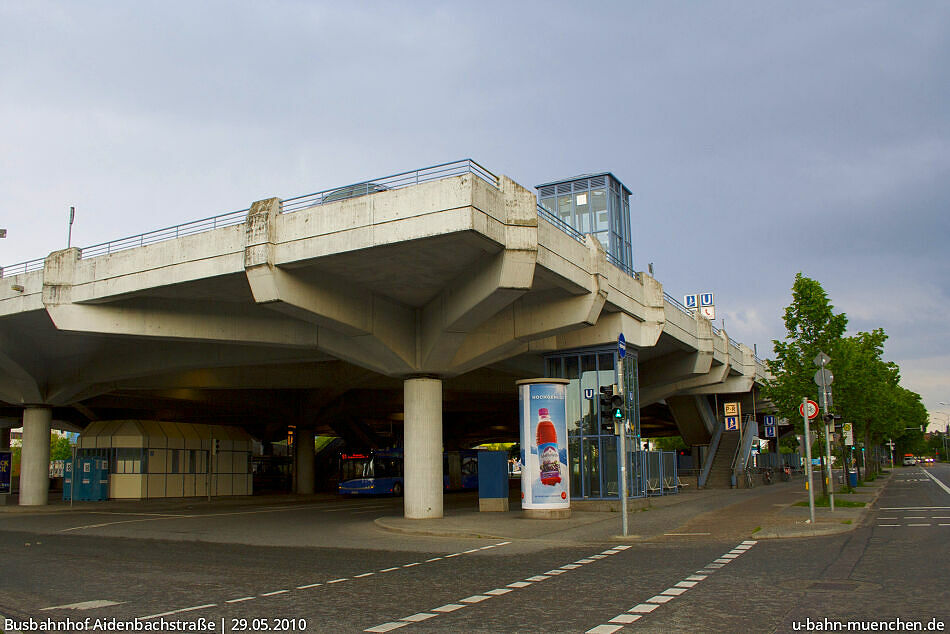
point(710, 456)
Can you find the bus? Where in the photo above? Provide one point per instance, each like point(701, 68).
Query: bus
point(379, 471)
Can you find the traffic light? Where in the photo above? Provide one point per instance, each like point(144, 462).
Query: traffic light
point(616, 407)
point(606, 406)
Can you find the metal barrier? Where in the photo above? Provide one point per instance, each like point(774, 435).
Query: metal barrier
point(677, 305)
point(395, 181)
point(560, 224)
point(623, 267)
point(386, 183)
point(710, 455)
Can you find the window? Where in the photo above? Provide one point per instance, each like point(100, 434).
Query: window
point(598, 206)
point(128, 461)
point(564, 209)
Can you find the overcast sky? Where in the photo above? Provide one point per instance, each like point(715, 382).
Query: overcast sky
point(760, 139)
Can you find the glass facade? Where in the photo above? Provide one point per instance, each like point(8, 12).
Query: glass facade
point(594, 469)
point(598, 204)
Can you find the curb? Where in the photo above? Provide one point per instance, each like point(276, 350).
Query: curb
point(434, 532)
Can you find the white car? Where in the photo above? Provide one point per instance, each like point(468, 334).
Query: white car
point(909, 461)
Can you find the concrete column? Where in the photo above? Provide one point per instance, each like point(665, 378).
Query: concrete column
point(34, 456)
point(303, 456)
point(423, 448)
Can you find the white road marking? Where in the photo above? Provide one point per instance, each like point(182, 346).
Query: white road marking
point(604, 629)
point(537, 578)
point(365, 574)
point(270, 594)
point(421, 616)
point(499, 591)
point(85, 605)
point(519, 584)
point(389, 569)
point(625, 618)
point(918, 524)
point(191, 609)
point(883, 524)
point(337, 580)
point(246, 598)
point(684, 534)
point(475, 598)
point(449, 607)
point(385, 627)
point(636, 612)
point(938, 482)
point(433, 559)
point(415, 563)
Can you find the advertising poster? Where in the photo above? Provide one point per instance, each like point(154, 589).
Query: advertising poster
point(6, 470)
point(545, 481)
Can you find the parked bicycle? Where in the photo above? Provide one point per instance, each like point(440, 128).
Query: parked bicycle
point(748, 478)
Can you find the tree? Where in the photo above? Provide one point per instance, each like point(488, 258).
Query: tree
point(811, 327)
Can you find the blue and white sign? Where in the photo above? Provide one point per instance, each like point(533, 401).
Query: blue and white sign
point(768, 420)
point(732, 423)
point(621, 346)
point(6, 470)
point(690, 301)
point(770, 431)
point(589, 393)
point(706, 299)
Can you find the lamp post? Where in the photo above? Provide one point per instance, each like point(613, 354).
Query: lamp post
point(946, 431)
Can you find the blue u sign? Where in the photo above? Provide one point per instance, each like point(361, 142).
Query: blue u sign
point(706, 299)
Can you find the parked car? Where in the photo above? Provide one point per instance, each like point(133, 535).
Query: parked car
point(909, 460)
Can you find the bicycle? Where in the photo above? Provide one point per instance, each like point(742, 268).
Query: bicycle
point(767, 476)
point(786, 474)
point(748, 478)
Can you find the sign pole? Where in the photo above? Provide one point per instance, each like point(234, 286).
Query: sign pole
point(622, 448)
point(821, 360)
point(811, 489)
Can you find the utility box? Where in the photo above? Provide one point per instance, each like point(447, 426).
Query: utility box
point(90, 479)
point(492, 481)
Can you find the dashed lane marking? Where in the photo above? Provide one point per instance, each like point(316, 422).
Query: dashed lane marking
point(315, 585)
point(488, 594)
point(640, 610)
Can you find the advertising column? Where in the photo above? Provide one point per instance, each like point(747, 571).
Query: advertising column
point(545, 481)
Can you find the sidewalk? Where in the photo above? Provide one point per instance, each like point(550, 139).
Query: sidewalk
point(764, 512)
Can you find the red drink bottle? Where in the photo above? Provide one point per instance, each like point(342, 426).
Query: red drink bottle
point(547, 449)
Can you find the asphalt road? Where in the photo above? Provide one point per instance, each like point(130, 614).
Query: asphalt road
point(337, 572)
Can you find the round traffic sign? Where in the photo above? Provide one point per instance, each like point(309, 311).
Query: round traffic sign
point(621, 346)
point(812, 409)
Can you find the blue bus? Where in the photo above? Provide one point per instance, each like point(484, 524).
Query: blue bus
point(379, 471)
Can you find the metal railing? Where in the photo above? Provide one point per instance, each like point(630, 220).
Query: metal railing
point(677, 305)
point(734, 344)
point(22, 267)
point(386, 183)
point(560, 224)
point(623, 267)
point(168, 233)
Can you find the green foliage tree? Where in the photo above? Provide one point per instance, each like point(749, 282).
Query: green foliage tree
point(60, 448)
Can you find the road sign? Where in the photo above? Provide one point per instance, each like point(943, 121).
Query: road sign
point(706, 299)
point(770, 431)
point(709, 312)
point(812, 409)
point(690, 301)
point(768, 420)
point(848, 432)
point(589, 393)
point(732, 423)
point(731, 409)
point(824, 378)
point(621, 346)
point(822, 359)
point(825, 399)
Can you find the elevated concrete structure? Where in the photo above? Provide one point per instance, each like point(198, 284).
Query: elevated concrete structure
point(445, 292)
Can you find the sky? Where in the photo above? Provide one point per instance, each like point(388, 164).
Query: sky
point(760, 139)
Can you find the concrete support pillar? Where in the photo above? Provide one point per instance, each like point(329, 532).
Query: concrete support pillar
point(423, 448)
point(303, 456)
point(34, 456)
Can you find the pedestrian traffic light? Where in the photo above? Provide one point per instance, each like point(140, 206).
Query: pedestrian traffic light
point(616, 407)
point(606, 401)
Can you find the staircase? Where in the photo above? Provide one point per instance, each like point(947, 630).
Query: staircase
point(720, 475)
